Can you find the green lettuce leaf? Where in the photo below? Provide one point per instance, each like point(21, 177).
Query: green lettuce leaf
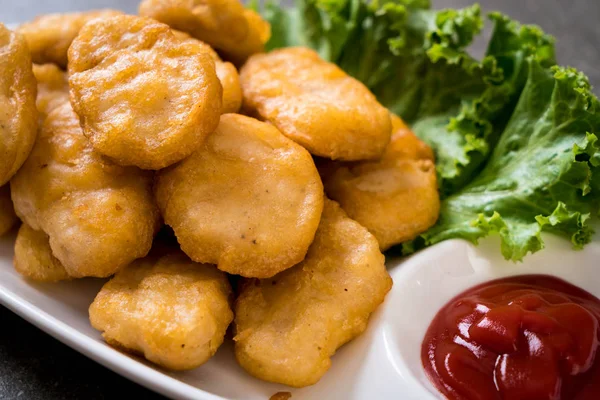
point(542, 174)
point(481, 121)
point(321, 25)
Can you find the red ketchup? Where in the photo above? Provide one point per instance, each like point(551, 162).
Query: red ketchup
point(528, 337)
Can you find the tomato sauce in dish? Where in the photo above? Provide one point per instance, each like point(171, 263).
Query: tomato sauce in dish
point(529, 337)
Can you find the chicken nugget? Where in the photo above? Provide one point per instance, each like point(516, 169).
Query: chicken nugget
point(395, 198)
point(288, 327)
point(34, 258)
point(234, 31)
point(170, 309)
point(316, 104)
point(249, 200)
point(232, 88)
point(144, 97)
point(49, 36)
point(18, 115)
point(99, 216)
point(8, 218)
point(227, 74)
point(52, 87)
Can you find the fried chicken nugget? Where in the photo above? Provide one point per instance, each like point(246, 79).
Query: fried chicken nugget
point(170, 309)
point(144, 97)
point(18, 115)
point(8, 218)
point(316, 104)
point(227, 74)
point(230, 81)
point(34, 258)
point(234, 31)
point(395, 198)
point(99, 216)
point(289, 326)
point(52, 87)
point(249, 200)
point(49, 36)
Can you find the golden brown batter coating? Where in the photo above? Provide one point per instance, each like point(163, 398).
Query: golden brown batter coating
point(249, 200)
point(99, 216)
point(289, 326)
point(170, 309)
point(144, 97)
point(8, 218)
point(234, 31)
point(227, 74)
point(395, 198)
point(52, 87)
point(230, 81)
point(34, 259)
point(49, 36)
point(316, 104)
point(18, 115)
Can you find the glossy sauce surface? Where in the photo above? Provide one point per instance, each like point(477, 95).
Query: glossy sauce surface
point(526, 337)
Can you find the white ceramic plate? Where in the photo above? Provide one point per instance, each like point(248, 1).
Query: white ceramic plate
point(383, 363)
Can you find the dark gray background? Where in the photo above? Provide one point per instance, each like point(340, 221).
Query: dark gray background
point(35, 366)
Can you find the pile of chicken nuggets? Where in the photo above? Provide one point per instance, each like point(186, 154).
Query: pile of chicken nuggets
point(213, 183)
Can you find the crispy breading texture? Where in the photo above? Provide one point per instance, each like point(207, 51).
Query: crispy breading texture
point(49, 36)
point(395, 198)
point(18, 115)
point(232, 88)
point(34, 259)
point(316, 104)
point(8, 218)
point(144, 97)
point(170, 309)
point(234, 31)
point(249, 200)
point(99, 216)
point(52, 88)
point(227, 74)
point(288, 327)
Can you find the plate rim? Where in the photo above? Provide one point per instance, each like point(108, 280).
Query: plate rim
point(101, 353)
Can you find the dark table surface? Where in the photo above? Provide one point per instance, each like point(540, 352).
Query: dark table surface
point(35, 366)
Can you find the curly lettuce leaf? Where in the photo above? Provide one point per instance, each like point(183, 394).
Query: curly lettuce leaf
point(323, 25)
point(542, 175)
point(401, 54)
point(481, 120)
point(328, 25)
point(464, 126)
